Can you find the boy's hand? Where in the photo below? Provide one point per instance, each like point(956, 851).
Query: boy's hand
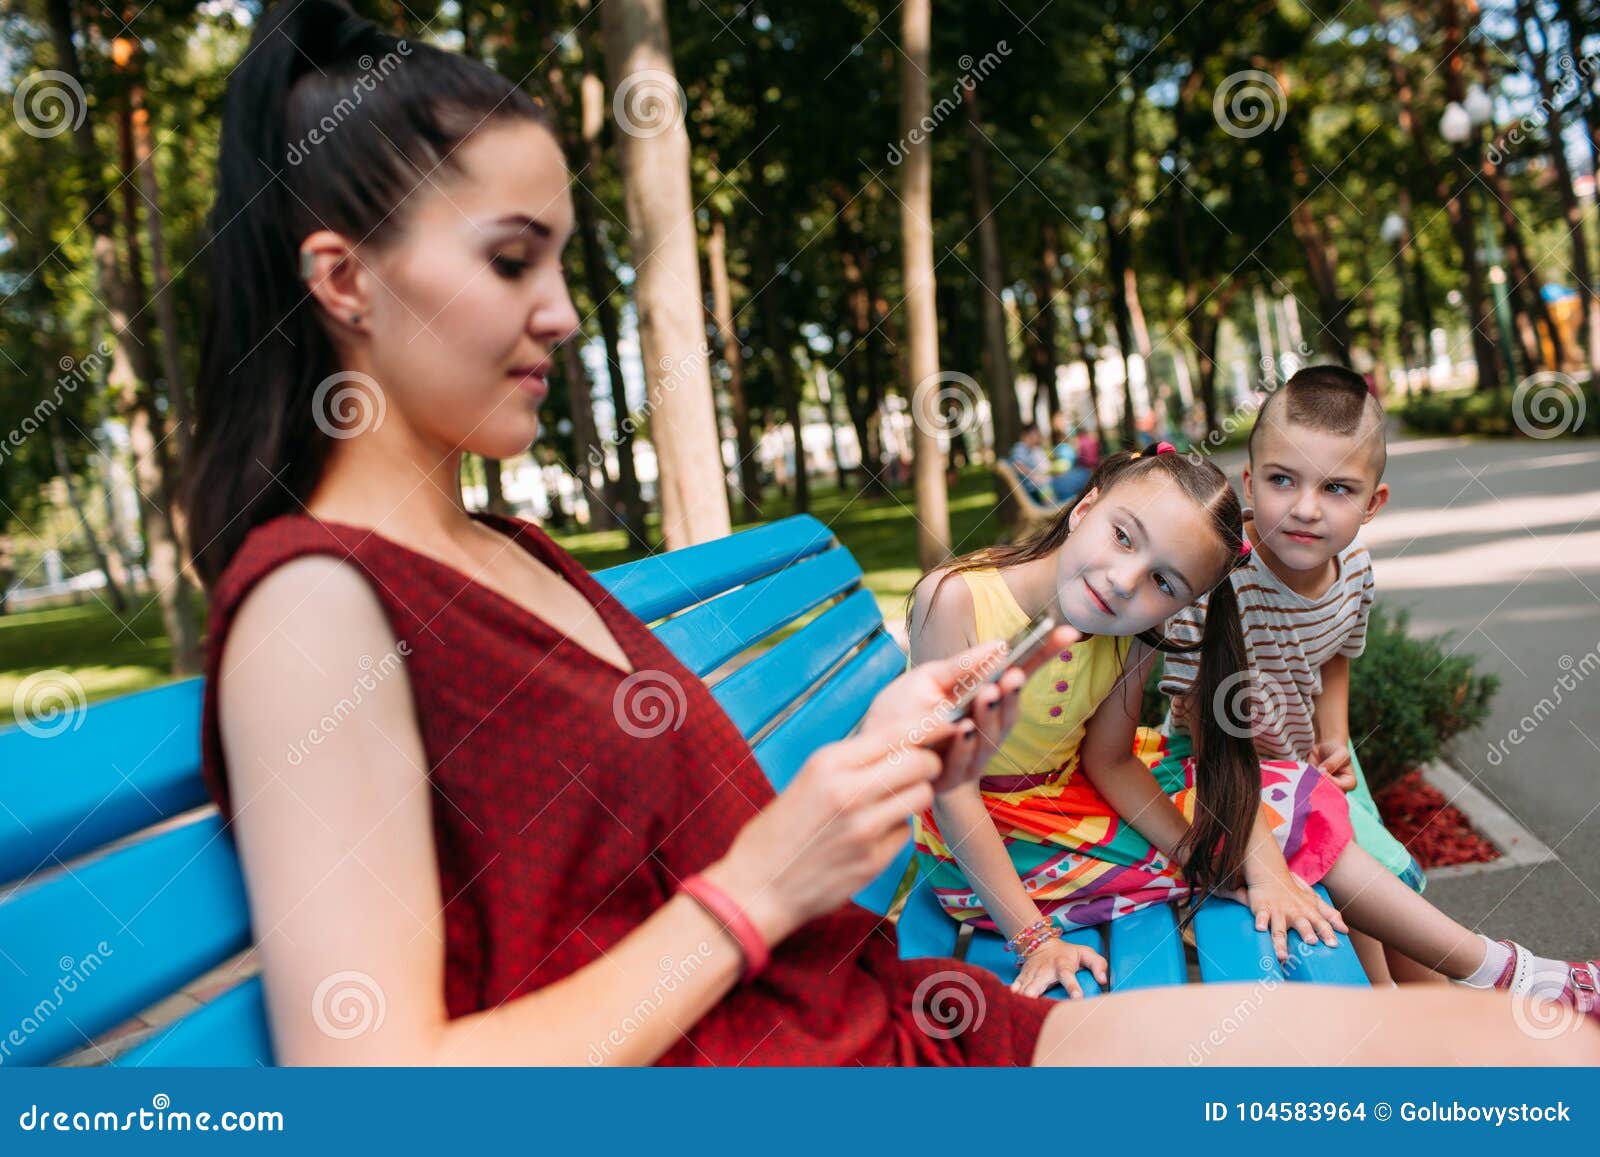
point(1332, 758)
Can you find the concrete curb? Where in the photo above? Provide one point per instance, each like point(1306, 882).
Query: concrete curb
point(1519, 847)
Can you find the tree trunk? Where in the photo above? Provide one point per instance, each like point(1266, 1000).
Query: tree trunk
point(58, 449)
point(132, 371)
point(625, 502)
point(1118, 244)
point(1000, 384)
point(922, 324)
point(588, 455)
point(733, 358)
point(863, 390)
point(655, 173)
point(161, 280)
point(772, 298)
point(493, 489)
point(1044, 323)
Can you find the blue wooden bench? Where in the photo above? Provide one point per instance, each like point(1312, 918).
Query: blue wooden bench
point(123, 887)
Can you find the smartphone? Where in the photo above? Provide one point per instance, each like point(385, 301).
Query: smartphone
point(1019, 649)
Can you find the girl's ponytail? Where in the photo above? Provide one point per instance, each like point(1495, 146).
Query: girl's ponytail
point(1227, 769)
point(329, 123)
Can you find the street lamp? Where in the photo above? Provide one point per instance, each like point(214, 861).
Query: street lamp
point(1460, 125)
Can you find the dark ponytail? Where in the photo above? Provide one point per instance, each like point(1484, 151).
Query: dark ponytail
point(329, 123)
point(1227, 769)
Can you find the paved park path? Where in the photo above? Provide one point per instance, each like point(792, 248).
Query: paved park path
point(1498, 542)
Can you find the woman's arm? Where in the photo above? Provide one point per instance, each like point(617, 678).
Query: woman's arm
point(339, 857)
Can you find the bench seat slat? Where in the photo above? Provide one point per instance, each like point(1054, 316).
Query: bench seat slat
point(1319, 964)
point(1229, 947)
point(1145, 949)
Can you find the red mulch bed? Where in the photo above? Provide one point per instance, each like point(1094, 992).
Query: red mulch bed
point(1432, 831)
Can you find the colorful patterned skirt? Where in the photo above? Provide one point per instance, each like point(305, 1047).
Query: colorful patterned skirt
point(1083, 864)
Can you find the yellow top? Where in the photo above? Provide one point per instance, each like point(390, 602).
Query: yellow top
point(1041, 753)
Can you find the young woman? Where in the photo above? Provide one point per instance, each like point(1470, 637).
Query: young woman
point(414, 714)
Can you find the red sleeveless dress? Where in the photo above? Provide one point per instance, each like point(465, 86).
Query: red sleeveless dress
point(558, 832)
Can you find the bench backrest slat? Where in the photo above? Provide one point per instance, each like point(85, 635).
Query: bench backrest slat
point(112, 771)
point(714, 632)
point(665, 584)
point(90, 947)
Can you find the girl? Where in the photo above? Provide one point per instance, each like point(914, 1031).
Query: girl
point(1035, 846)
point(479, 845)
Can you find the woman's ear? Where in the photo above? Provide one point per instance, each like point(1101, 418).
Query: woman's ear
point(1082, 508)
point(334, 276)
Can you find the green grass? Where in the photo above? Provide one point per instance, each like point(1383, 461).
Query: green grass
point(109, 655)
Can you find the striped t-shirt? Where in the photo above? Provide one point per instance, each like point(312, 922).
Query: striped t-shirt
point(1289, 639)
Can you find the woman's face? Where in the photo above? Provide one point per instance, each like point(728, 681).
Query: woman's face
point(1138, 553)
point(468, 303)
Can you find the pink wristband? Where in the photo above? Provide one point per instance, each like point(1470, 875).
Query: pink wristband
point(722, 906)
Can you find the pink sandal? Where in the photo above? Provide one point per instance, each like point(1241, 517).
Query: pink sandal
point(1583, 980)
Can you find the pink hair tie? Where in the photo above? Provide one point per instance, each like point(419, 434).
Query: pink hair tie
point(1244, 547)
point(1165, 448)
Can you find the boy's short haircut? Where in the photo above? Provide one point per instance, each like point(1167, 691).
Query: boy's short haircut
point(1329, 398)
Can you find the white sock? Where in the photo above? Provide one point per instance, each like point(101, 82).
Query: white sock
point(1549, 978)
point(1546, 978)
point(1495, 958)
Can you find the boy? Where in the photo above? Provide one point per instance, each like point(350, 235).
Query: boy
point(1317, 456)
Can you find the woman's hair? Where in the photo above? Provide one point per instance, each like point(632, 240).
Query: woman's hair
point(330, 123)
point(1227, 769)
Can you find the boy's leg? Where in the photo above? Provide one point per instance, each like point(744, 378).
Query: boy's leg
point(1379, 842)
point(1374, 959)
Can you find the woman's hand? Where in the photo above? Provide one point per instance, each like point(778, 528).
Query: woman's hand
point(1057, 962)
point(909, 711)
point(1281, 900)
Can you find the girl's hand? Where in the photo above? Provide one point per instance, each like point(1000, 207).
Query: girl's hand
point(1281, 900)
point(1057, 962)
point(1332, 758)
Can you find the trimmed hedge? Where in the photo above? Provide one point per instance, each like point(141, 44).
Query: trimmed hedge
point(1491, 413)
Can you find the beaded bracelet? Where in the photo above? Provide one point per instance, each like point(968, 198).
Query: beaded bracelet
point(1049, 934)
point(1026, 942)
